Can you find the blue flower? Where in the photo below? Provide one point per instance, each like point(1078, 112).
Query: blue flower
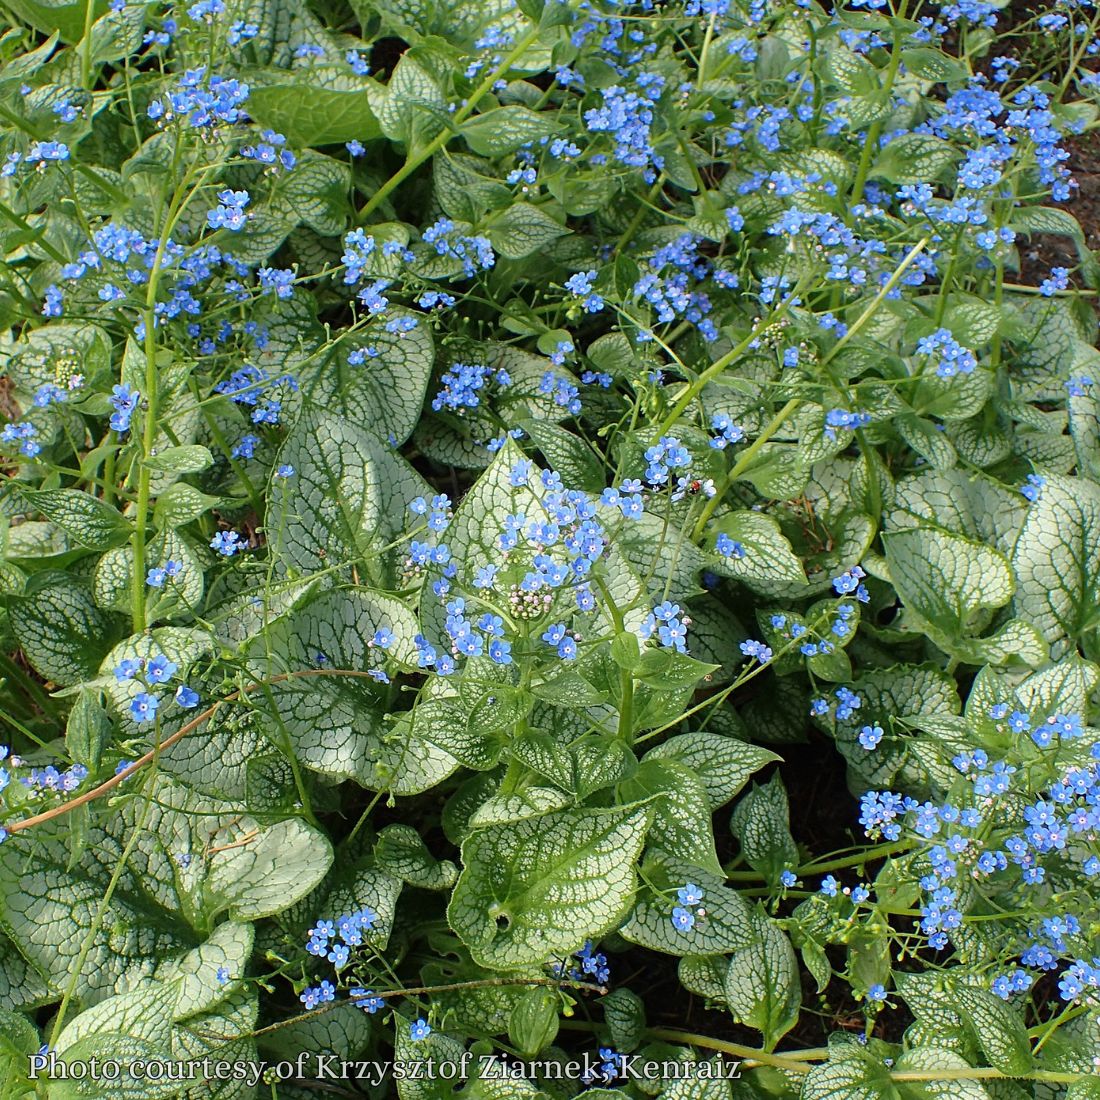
point(229, 214)
point(683, 920)
point(186, 697)
point(950, 356)
point(366, 999)
point(143, 707)
point(124, 401)
point(227, 543)
point(870, 736)
point(580, 285)
point(1033, 487)
point(1056, 281)
point(127, 669)
point(690, 894)
point(159, 669)
point(52, 305)
point(418, 1030)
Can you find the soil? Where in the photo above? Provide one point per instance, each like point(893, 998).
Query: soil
point(1038, 254)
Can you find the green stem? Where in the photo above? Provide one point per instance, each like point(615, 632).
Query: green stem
point(626, 680)
point(109, 477)
point(796, 1061)
point(40, 238)
point(704, 52)
point(223, 445)
point(743, 461)
point(715, 369)
point(86, 46)
point(639, 215)
point(97, 923)
point(790, 1063)
point(145, 475)
point(881, 851)
point(414, 160)
point(870, 143)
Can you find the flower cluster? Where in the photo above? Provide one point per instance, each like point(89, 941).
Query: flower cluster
point(683, 917)
point(975, 845)
point(149, 673)
point(473, 253)
point(333, 940)
point(950, 357)
point(463, 384)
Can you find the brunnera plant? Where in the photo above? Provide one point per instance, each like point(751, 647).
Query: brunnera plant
point(461, 462)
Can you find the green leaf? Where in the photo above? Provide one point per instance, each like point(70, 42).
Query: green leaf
point(195, 858)
point(314, 194)
point(180, 503)
point(346, 501)
point(504, 129)
point(934, 65)
point(624, 1013)
point(410, 109)
point(761, 821)
point(195, 974)
point(931, 444)
point(22, 985)
point(344, 1031)
point(533, 889)
point(191, 459)
point(145, 1014)
point(681, 823)
point(998, 1028)
point(1057, 564)
point(322, 105)
point(87, 520)
point(972, 321)
point(60, 630)
point(726, 925)
point(449, 20)
point(665, 669)
point(87, 730)
point(762, 984)
point(62, 17)
point(914, 158)
point(19, 1039)
point(335, 723)
point(769, 566)
point(263, 876)
point(946, 578)
point(352, 887)
point(522, 229)
point(912, 696)
point(387, 392)
point(400, 852)
point(975, 506)
point(723, 764)
point(847, 1081)
point(580, 467)
point(533, 1023)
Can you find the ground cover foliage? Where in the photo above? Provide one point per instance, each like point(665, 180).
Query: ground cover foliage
point(463, 461)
